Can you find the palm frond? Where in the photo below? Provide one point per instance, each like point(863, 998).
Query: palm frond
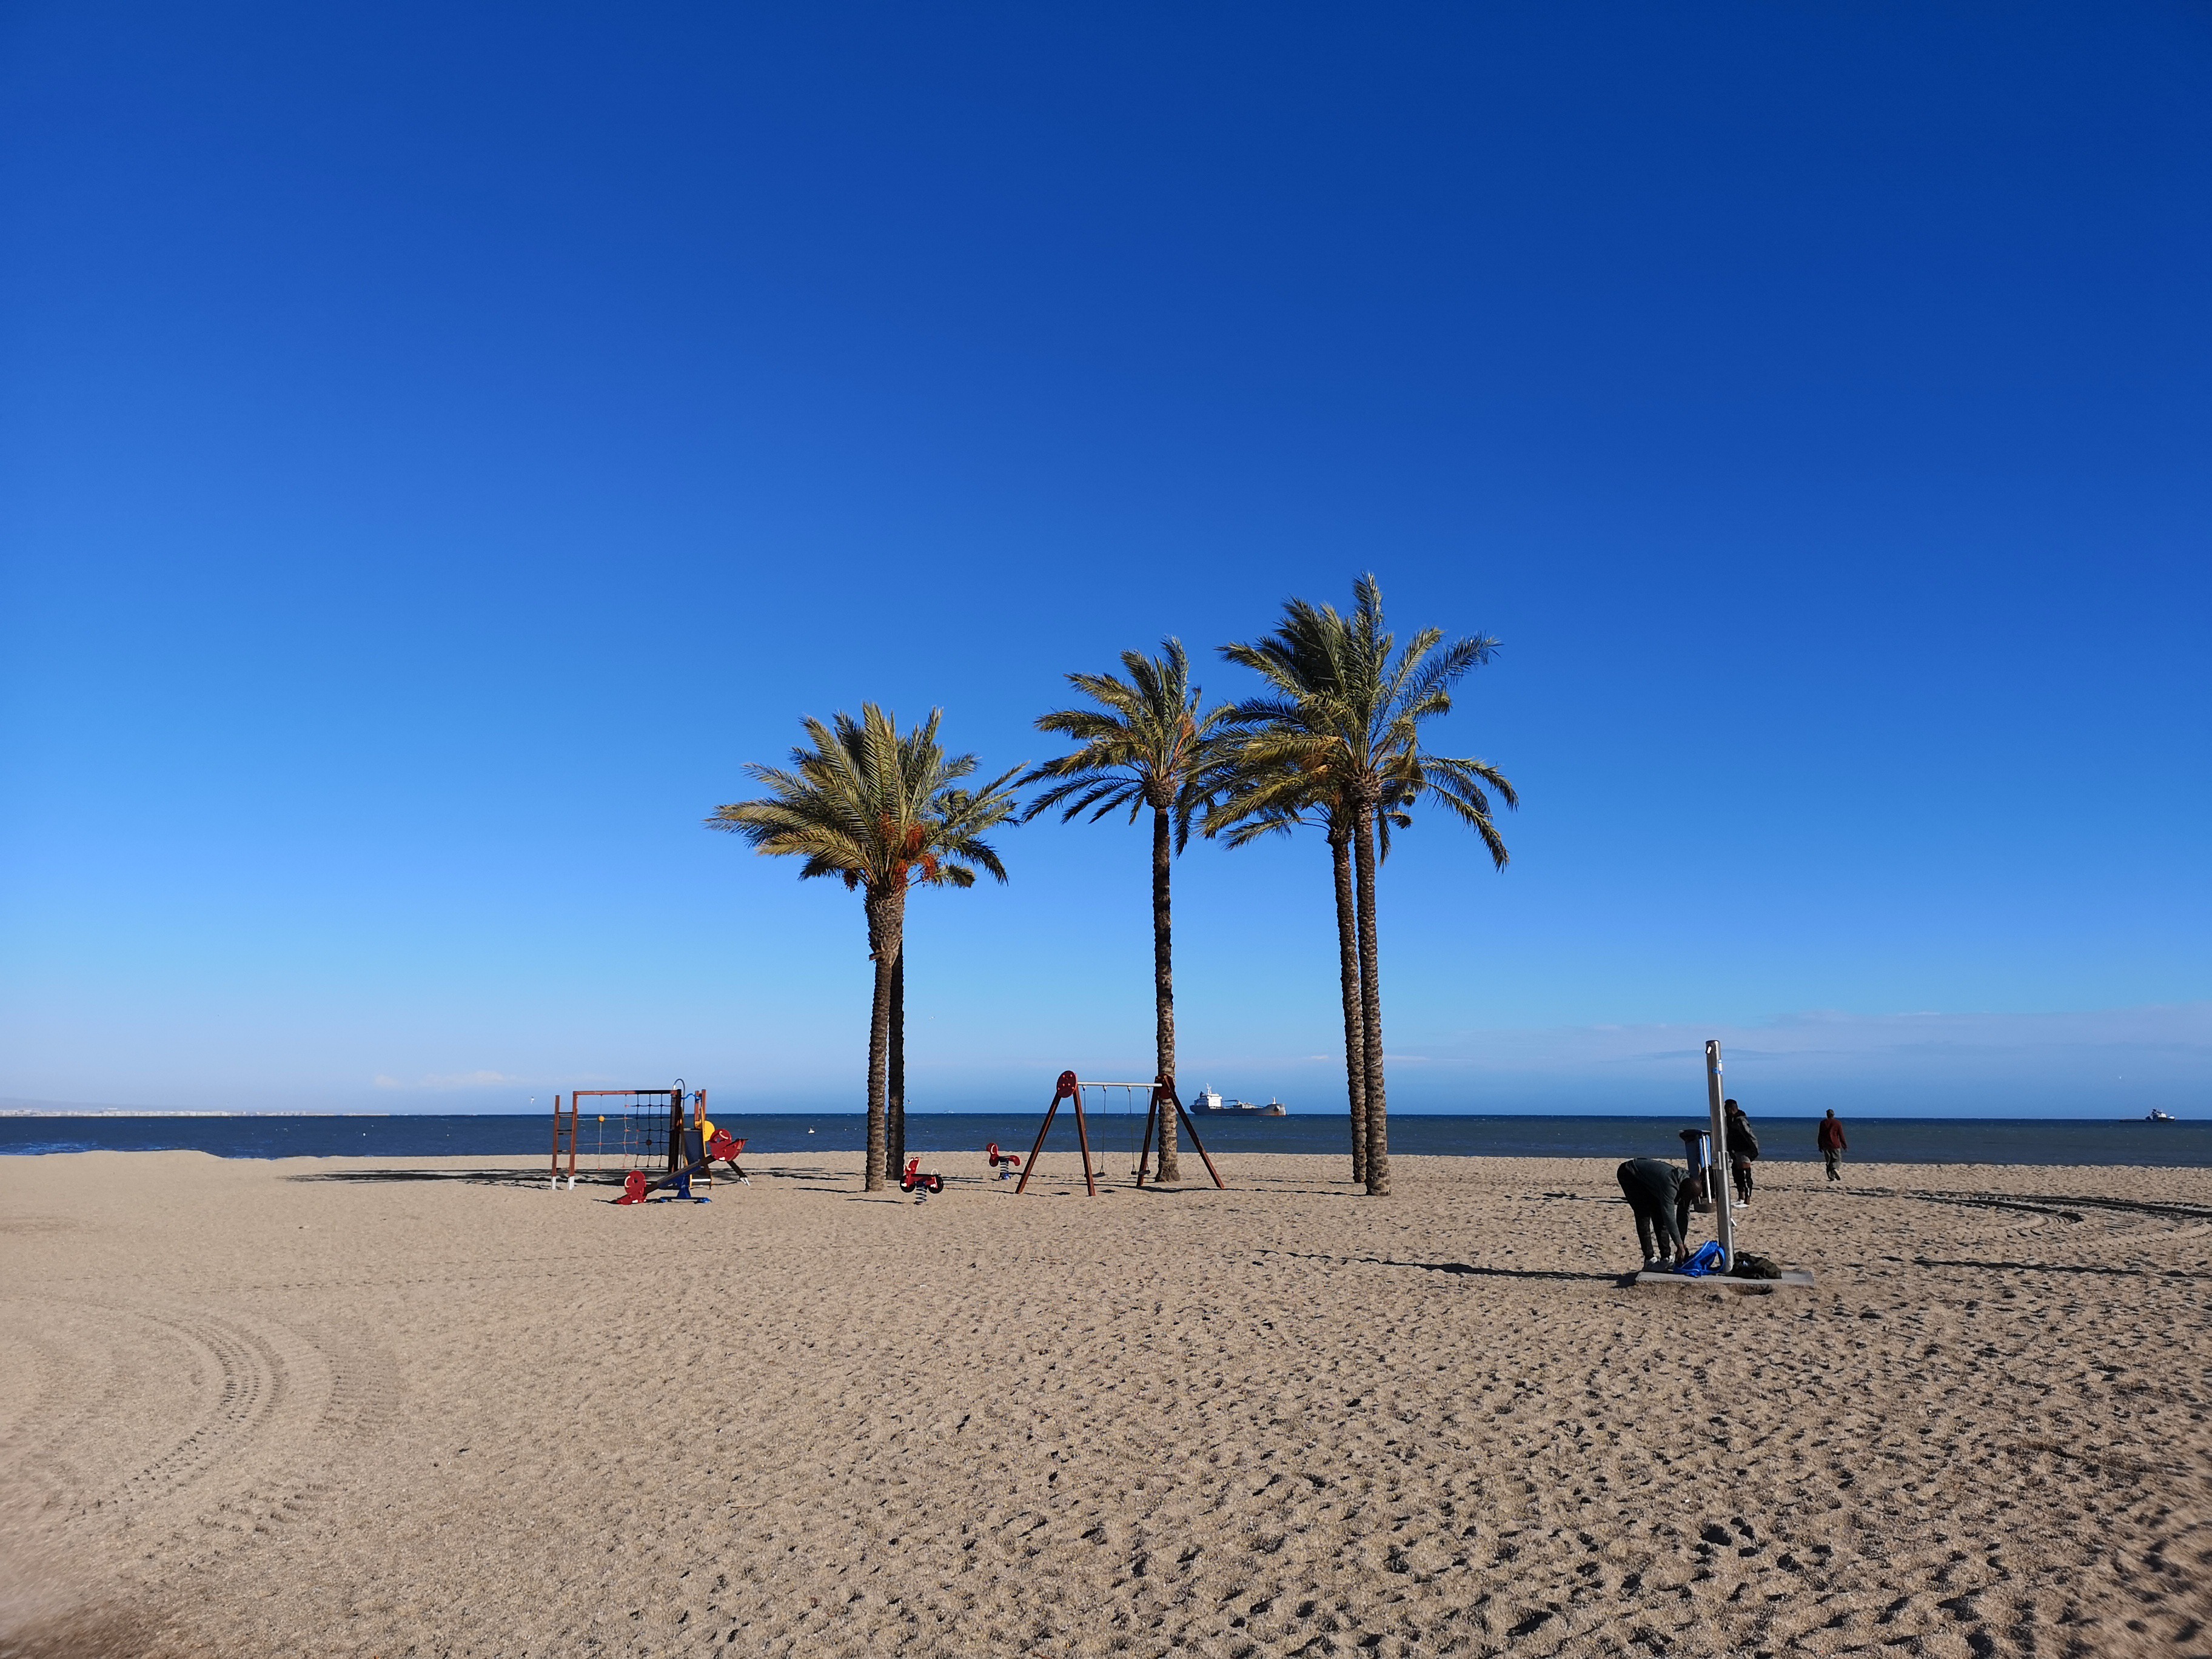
point(877, 808)
point(1339, 728)
point(1148, 739)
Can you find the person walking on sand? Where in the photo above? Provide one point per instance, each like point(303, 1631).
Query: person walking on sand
point(1830, 1138)
point(1661, 1196)
point(1742, 1149)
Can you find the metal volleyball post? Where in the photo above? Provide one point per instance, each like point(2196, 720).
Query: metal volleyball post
point(1717, 1181)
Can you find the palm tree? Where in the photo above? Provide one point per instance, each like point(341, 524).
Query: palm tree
point(1343, 728)
point(961, 816)
point(1307, 799)
point(882, 813)
point(1150, 742)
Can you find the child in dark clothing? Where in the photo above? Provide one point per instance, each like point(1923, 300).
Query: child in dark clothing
point(1742, 1149)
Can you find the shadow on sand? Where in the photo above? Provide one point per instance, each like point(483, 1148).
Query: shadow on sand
point(1465, 1269)
point(467, 1177)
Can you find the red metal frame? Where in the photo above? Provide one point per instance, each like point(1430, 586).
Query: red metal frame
point(1151, 1117)
point(1069, 1087)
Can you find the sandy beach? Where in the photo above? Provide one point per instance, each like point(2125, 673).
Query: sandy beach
point(326, 1408)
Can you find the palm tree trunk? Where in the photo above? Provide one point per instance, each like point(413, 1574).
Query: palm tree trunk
point(886, 921)
point(894, 1069)
point(1164, 989)
point(1347, 967)
point(1371, 1009)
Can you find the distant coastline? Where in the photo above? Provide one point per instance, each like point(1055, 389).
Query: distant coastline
point(182, 1111)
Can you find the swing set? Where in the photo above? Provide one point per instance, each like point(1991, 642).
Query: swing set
point(1162, 1097)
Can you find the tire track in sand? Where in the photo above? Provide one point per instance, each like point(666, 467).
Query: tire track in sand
point(243, 1383)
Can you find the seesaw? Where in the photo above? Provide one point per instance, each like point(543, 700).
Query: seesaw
point(638, 1188)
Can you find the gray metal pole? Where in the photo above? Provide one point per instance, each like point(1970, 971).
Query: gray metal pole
point(1723, 1213)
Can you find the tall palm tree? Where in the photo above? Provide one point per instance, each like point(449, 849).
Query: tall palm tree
point(882, 813)
point(961, 816)
point(1149, 742)
point(1345, 719)
point(1295, 798)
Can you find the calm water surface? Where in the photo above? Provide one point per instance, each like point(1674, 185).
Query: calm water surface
point(1114, 1136)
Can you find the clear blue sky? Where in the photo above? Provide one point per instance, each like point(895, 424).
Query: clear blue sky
point(440, 445)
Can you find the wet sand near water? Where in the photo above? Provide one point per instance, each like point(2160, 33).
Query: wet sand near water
point(323, 1407)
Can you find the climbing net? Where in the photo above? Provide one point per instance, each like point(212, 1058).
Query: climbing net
point(618, 1130)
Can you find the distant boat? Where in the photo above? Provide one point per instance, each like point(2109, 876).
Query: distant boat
point(1210, 1101)
point(2157, 1117)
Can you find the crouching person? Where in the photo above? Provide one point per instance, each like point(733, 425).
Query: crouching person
point(1662, 1196)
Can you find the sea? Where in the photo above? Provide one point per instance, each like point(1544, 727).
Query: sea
point(1115, 1135)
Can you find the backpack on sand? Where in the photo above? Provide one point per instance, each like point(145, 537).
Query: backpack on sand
point(1706, 1260)
point(1749, 1265)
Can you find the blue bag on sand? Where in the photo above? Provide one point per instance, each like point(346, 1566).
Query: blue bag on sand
point(1706, 1260)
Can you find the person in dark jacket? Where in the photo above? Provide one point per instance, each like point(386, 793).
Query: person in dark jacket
point(1742, 1149)
point(1661, 1196)
point(1830, 1140)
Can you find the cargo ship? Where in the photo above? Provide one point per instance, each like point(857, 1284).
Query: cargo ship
point(1210, 1101)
